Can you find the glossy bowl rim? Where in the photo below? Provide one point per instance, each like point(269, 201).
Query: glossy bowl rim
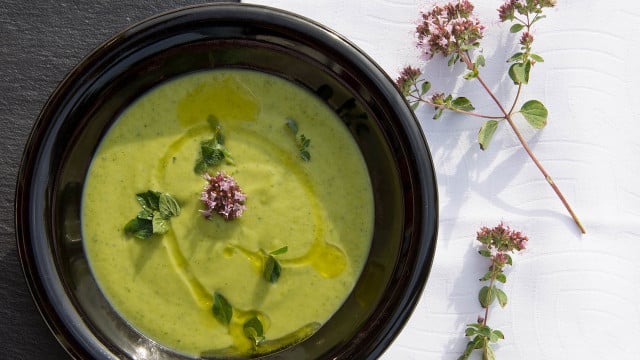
point(417, 279)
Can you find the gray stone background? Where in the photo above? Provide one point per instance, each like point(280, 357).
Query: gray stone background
point(40, 42)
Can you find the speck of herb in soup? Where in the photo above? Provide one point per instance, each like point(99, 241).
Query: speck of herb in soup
point(302, 141)
point(213, 151)
point(272, 268)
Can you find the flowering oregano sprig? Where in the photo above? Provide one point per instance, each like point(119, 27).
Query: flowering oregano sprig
point(497, 244)
point(222, 195)
point(453, 31)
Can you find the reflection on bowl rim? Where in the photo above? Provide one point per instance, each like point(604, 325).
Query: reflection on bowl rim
point(33, 230)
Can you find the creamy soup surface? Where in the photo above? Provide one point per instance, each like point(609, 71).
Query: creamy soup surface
point(318, 212)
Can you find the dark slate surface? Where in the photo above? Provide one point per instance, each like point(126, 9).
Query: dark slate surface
point(40, 42)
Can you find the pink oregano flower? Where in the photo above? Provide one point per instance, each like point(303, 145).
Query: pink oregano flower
point(222, 195)
point(449, 28)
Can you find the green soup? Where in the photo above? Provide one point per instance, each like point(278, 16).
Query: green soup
point(320, 209)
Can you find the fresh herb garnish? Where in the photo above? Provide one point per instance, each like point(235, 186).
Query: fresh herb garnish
point(301, 141)
point(213, 151)
point(221, 308)
point(157, 209)
point(272, 268)
point(254, 330)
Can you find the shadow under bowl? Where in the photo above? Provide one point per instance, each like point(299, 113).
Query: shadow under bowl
point(87, 102)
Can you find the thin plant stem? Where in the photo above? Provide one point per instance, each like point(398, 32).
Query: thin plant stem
point(525, 145)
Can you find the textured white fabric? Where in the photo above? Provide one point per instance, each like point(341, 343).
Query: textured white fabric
point(570, 296)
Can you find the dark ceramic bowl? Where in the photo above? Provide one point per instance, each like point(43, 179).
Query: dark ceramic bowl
point(86, 103)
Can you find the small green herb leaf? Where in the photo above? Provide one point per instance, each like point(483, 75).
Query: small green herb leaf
point(516, 27)
point(213, 151)
point(140, 228)
point(486, 133)
point(145, 214)
point(537, 57)
point(498, 334)
point(153, 219)
point(425, 87)
point(485, 252)
point(462, 103)
point(160, 225)
point(486, 296)
point(535, 113)
point(480, 61)
point(280, 251)
point(254, 330)
point(501, 277)
point(149, 200)
point(222, 310)
point(272, 269)
point(168, 206)
point(301, 141)
point(438, 113)
point(515, 57)
point(502, 297)
point(519, 72)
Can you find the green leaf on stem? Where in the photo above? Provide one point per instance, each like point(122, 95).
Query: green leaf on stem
point(537, 57)
point(487, 276)
point(515, 57)
point(519, 72)
point(438, 113)
point(480, 61)
point(471, 74)
point(501, 296)
point(485, 252)
point(462, 103)
point(498, 334)
point(501, 277)
point(487, 296)
point(516, 27)
point(535, 113)
point(415, 105)
point(425, 87)
point(486, 133)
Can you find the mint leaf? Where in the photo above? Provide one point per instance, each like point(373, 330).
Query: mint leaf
point(212, 151)
point(222, 310)
point(149, 200)
point(153, 219)
point(535, 113)
point(254, 330)
point(168, 206)
point(486, 133)
point(160, 225)
point(272, 269)
point(145, 214)
point(139, 228)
